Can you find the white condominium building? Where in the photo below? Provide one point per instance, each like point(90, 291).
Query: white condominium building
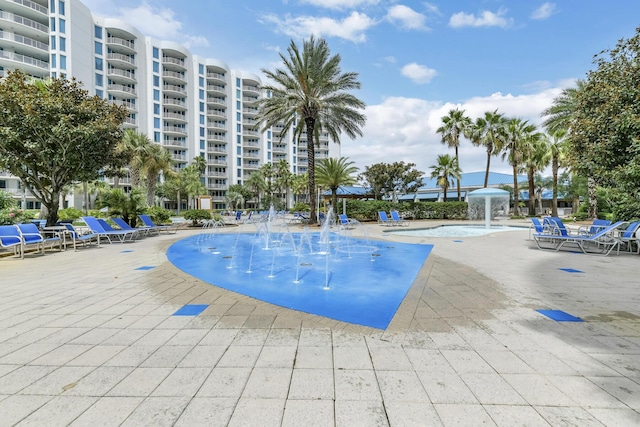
point(192, 106)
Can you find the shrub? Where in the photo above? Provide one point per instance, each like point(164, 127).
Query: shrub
point(69, 214)
point(14, 216)
point(159, 215)
point(301, 207)
point(196, 215)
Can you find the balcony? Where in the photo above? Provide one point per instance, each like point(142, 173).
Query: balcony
point(216, 186)
point(217, 113)
point(174, 89)
point(253, 89)
point(28, 27)
point(217, 136)
point(250, 143)
point(130, 122)
point(38, 66)
point(174, 102)
point(27, 44)
point(172, 63)
point(251, 155)
point(179, 157)
point(117, 74)
point(216, 124)
point(217, 88)
point(174, 142)
point(251, 165)
point(216, 100)
point(120, 59)
point(128, 104)
point(123, 90)
point(218, 174)
point(249, 99)
point(250, 132)
point(174, 76)
point(117, 43)
point(250, 111)
point(216, 162)
point(219, 77)
point(216, 148)
point(175, 130)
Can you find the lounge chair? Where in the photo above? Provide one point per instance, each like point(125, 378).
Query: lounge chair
point(629, 236)
point(397, 219)
point(10, 238)
point(383, 219)
point(602, 242)
point(538, 227)
point(596, 225)
point(123, 225)
point(238, 216)
point(148, 222)
point(31, 236)
point(77, 237)
point(346, 222)
point(98, 228)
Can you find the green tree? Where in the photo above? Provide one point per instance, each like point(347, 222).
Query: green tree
point(53, 134)
point(557, 151)
point(332, 173)
point(445, 171)
point(454, 125)
point(137, 147)
point(488, 132)
point(517, 140)
point(375, 177)
point(603, 140)
point(191, 183)
point(244, 192)
point(392, 179)
point(119, 203)
point(311, 90)
point(257, 184)
point(283, 179)
point(560, 114)
point(536, 158)
point(157, 161)
point(299, 185)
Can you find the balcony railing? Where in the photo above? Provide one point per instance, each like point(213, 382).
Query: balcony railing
point(174, 101)
point(174, 88)
point(122, 42)
point(24, 21)
point(171, 60)
point(122, 88)
point(24, 59)
point(175, 129)
point(218, 76)
point(174, 74)
point(24, 40)
point(121, 57)
point(32, 5)
point(119, 72)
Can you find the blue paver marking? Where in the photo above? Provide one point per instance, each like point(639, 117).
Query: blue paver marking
point(191, 310)
point(571, 270)
point(128, 250)
point(146, 267)
point(560, 316)
point(458, 241)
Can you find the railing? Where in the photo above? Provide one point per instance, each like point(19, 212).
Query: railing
point(216, 100)
point(252, 88)
point(24, 40)
point(123, 73)
point(216, 136)
point(122, 88)
point(174, 142)
point(218, 112)
point(215, 76)
point(130, 121)
point(174, 116)
point(24, 59)
point(217, 87)
point(174, 101)
point(217, 125)
point(173, 74)
point(171, 60)
point(174, 88)
point(24, 21)
point(250, 98)
point(179, 156)
point(32, 5)
point(175, 129)
point(217, 162)
point(122, 42)
point(216, 149)
point(121, 57)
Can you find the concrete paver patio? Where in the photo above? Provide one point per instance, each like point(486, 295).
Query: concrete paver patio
point(88, 338)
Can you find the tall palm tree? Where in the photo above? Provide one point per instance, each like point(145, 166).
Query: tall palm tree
point(257, 184)
point(309, 95)
point(299, 185)
point(445, 171)
point(516, 144)
point(560, 114)
point(283, 179)
point(454, 125)
point(200, 163)
point(139, 147)
point(536, 158)
point(557, 148)
point(157, 161)
point(488, 131)
point(191, 182)
point(332, 173)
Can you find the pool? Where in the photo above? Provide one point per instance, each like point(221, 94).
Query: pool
point(352, 280)
point(455, 231)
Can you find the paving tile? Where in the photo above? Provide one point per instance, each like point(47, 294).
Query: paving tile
point(389, 359)
point(133, 355)
point(157, 411)
point(446, 388)
point(140, 382)
point(505, 362)
point(312, 384)
point(202, 357)
point(315, 337)
point(22, 377)
point(253, 412)
point(283, 337)
point(26, 353)
point(251, 337)
point(423, 360)
point(57, 381)
point(515, 415)
point(582, 390)
point(616, 417)
point(240, 356)
point(219, 337)
point(189, 337)
point(314, 357)
point(17, 407)
point(537, 390)
point(358, 413)
point(59, 411)
point(99, 381)
point(168, 356)
point(352, 358)
point(408, 414)
point(97, 355)
point(491, 389)
point(463, 415)
point(207, 411)
point(567, 415)
point(308, 413)
point(403, 386)
point(225, 382)
point(467, 361)
point(624, 389)
point(276, 357)
point(182, 382)
point(268, 383)
point(356, 385)
point(108, 411)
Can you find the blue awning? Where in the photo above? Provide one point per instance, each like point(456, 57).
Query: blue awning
point(427, 196)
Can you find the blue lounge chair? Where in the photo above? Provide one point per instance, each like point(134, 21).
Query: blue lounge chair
point(596, 225)
point(77, 237)
point(629, 237)
point(383, 219)
point(346, 222)
point(123, 225)
point(97, 227)
point(31, 236)
point(397, 219)
point(148, 222)
point(602, 242)
point(10, 238)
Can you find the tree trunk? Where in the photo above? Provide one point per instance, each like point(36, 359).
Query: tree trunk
point(52, 208)
point(532, 195)
point(516, 209)
point(458, 179)
point(178, 198)
point(311, 158)
point(554, 169)
point(593, 201)
point(486, 174)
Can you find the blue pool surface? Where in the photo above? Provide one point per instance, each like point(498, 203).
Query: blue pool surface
point(367, 280)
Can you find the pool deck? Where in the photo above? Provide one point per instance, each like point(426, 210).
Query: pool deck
point(89, 338)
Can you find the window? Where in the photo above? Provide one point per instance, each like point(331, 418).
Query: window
point(201, 68)
point(237, 82)
point(202, 107)
point(156, 67)
point(61, 7)
point(238, 139)
point(63, 62)
point(63, 44)
point(238, 150)
point(156, 122)
point(156, 81)
point(63, 25)
point(268, 145)
point(238, 116)
point(52, 25)
point(97, 32)
point(238, 95)
point(269, 156)
point(53, 42)
point(201, 81)
point(52, 6)
point(54, 75)
point(99, 80)
point(238, 128)
point(201, 94)
point(98, 63)
point(238, 105)
point(201, 119)
point(268, 134)
point(156, 53)
point(156, 95)
point(239, 162)
point(239, 173)
point(156, 136)
point(100, 93)
point(156, 108)
point(98, 48)
point(53, 61)
point(202, 144)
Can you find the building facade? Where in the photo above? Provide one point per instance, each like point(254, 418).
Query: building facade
point(192, 106)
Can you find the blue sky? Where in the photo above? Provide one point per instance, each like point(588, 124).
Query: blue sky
point(416, 60)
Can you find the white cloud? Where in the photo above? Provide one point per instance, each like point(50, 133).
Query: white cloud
point(407, 18)
point(340, 4)
point(351, 28)
point(484, 19)
point(404, 129)
point(418, 73)
point(544, 11)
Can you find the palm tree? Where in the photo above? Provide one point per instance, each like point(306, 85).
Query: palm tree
point(488, 131)
point(444, 171)
point(517, 139)
point(557, 146)
point(309, 95)
point(332, 173)
point(200, 163)
point(560, 114)
point(283, 179)
point(257, 184)
point(454, 125)
point(157, 161)
point(191, 182)
point(299, 185)
point(138, 146)
point(536, 159)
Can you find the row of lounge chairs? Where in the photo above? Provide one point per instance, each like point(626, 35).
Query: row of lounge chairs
point(21, 237)
point(601, 237)
point(395, 220)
